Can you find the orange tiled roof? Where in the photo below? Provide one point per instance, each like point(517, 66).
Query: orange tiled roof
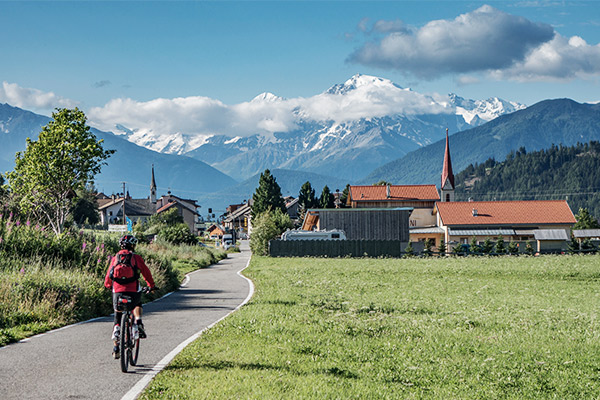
point(506, 212)
point(397, 193)
point(165, 207)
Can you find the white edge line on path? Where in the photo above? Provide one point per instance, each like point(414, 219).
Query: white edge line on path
point(135, 391)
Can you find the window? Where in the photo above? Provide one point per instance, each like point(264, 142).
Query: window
point(335, 235)
point(447, 196)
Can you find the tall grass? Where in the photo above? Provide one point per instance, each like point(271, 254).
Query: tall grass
point(468, 328)
point(48, 281)
point(41, 296)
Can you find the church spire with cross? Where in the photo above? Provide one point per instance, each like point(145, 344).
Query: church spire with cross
point(153, 188)
point(447, 187)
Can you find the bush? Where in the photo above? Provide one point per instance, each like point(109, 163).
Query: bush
point(267, 226)
point(178, 234)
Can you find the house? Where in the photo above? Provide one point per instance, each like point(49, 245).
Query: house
point(459, 222)
point(186, 209)
point(216, 231)
point(239, 219)
point(111, 209)
point(292, 206)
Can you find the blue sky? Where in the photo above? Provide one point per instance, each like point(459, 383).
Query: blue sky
point(90, 53)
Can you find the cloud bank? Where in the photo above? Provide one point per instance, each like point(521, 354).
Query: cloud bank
point(488, 41)
point(360, 97)
point(33, 99)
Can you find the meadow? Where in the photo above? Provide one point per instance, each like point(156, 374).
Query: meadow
point(452, 328)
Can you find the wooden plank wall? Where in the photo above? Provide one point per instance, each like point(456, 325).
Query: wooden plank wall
point(368, 224)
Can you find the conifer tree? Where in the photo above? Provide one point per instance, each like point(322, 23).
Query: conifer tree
point(267, 195)
point(512, 248)
point(487, 246)
point(327, 199)
point(344, 197)
point(573, 245)
point(442, 248)
point(585, 220)
point(500, 248)
point(306, 197)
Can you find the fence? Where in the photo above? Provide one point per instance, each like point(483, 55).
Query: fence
point(340, 248)
point(394, 248)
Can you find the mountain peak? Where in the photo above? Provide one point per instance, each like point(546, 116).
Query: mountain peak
point(266, 97)
point(361, 81)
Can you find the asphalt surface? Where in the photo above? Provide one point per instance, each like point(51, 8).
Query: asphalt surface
point(75, 362)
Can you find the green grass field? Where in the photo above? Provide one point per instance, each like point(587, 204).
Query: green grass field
point(454, 328)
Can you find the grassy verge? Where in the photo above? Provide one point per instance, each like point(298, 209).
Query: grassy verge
point(40, 292)
point(466, 328)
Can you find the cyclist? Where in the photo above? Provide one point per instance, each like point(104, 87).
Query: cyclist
point(124, 263)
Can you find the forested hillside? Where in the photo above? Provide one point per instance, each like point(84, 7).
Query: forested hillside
point(537, 127)
point(571, 173)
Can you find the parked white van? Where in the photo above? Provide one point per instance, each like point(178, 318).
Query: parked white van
point(298, 234)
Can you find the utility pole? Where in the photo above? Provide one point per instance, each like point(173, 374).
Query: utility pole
point(124, 221)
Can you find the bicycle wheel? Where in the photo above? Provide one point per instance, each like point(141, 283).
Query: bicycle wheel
point(135, 350)
point(125, 340)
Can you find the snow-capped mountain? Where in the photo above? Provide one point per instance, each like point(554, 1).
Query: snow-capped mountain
point(346, 131)
point(477, 112)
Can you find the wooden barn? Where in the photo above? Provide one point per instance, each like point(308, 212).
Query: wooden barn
point(362, 223)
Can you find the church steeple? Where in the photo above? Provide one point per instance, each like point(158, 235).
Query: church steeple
point(447, 188)
point(153, 188)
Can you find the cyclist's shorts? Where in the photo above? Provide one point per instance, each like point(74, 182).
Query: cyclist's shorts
point(136, 299)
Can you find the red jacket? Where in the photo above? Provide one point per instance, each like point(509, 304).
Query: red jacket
point(138, 262)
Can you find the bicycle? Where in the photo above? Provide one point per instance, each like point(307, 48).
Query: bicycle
point(129, 341)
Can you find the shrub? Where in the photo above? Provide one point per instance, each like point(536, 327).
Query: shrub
point(513, 248)
point(264, 229)
point(178, 234)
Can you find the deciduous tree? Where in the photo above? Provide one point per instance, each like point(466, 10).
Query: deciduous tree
point(64, 159)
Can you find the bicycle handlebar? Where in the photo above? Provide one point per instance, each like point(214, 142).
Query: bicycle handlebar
point(147, 289)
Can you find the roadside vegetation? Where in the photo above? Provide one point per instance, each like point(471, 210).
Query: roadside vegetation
point(468, 328)
point(48, 281)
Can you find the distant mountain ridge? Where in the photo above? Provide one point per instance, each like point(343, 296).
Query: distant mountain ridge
point(132, 164)
point(347, 130)
point(560, 121)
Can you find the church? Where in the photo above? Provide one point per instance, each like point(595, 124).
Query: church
point(436, 216)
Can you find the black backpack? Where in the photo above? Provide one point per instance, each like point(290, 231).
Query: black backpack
point(124, 272)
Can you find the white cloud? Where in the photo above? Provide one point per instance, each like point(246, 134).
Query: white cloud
point(34, 99)
point(559, 59)
point(482, 40)
point(201, 116)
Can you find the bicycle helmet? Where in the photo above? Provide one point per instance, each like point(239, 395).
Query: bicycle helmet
point(128, 242)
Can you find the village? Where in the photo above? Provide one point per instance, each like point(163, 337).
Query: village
point(416, 216)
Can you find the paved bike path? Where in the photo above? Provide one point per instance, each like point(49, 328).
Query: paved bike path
point(75, 362)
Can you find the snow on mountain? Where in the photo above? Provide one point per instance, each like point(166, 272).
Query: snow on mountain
point(350, 128)
point(266, 97)
point(476, 112)
point(363, 81)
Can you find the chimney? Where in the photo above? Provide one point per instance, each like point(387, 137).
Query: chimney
point(388, 191)
point(474, 212)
